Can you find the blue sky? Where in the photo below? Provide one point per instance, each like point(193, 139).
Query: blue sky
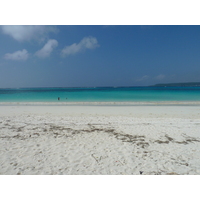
point(91, 56)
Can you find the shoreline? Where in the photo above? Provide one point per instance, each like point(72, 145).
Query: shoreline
point(138, 111)
point(139, 103)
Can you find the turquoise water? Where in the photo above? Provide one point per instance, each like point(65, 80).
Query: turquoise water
point(122, 94)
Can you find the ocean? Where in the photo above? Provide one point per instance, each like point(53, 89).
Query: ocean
point(101, 94)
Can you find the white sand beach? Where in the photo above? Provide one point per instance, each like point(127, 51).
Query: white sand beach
point(95, 140)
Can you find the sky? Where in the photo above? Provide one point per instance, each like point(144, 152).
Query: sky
point(98, 56)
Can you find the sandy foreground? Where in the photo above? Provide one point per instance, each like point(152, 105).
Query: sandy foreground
point(118, 140)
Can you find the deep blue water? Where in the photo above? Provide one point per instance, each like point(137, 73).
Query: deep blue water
point(103, 94)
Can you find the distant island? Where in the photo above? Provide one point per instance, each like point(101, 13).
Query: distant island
point(188, 84)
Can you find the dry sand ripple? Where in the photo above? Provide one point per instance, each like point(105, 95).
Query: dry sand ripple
point(88, 143)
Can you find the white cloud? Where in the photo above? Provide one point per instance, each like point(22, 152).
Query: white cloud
point(47, 49)
point(160, 77)
point(18, 55)
point(145, 77)
point(85, 43)
point(27, 33)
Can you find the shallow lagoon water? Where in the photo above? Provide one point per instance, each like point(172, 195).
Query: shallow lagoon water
point(106, 94)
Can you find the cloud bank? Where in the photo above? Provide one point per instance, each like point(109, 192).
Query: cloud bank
point(85, 43)
point(47, 49)
point(18, 55)
point(27, 33)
